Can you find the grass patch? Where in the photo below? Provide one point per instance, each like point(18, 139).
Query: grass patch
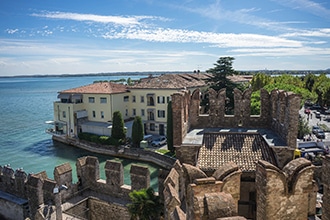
point(165, 152)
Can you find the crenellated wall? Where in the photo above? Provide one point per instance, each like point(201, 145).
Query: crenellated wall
point(289, 193)
point(278, 112)
point(38, 190)
point(180, 111)
point(326, 188)
point(190, 194)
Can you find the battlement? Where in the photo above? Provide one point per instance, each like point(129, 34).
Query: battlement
point(190, 194)
point(279, 112)
point(293, 187)
point(38, 189)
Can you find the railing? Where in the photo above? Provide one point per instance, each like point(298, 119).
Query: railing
point(53, 132)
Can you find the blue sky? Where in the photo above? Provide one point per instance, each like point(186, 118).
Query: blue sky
point(78, 36)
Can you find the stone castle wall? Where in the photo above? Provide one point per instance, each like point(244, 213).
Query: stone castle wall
point(190, 194)
point(289, 193)
point(326, 188)
point(279, 112)
point(37, 189)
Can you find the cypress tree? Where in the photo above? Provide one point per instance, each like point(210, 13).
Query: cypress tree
point(169, 130)
point(118, 129)
point(137, 131)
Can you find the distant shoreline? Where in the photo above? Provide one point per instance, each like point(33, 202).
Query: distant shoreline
point(90, 74)
point(246, 72)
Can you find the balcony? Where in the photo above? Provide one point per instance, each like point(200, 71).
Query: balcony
point(57, 129)
point(51, 131)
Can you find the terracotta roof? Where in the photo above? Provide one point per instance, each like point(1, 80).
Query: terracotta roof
point(240, 78)
point(98, 88)
point(244, 149)
point(172, 81)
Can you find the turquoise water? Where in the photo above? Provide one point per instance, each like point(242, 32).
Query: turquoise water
point(26, 103)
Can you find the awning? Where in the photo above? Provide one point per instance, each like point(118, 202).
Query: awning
point(55, 122)
point(77, 96)
point(63, 96)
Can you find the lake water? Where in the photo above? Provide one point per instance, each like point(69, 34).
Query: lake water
point(26, 103)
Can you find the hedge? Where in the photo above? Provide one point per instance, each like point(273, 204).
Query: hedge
point(105, 140)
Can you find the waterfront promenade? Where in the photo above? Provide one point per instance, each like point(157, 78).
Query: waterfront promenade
point(147, 155)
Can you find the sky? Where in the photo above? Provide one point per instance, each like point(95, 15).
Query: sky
point(82, 36)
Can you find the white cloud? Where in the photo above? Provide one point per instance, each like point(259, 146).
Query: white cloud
point(217, 12)
point(11, 31)
point(216, 39)
point(323, 32)
point(117, 20)
point(306, 6)
point(280, 52)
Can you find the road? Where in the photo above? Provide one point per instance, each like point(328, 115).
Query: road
point(325, 119)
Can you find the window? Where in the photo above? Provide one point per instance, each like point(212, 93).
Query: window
point(91, 99)
point(126, 112)
point(133, 98)
point(102, 114)
point(151, 116)
point(142, 99)
point(161, 114)
point(160, 99)
point(103, 100)
point(94, 115)
point(150, 101)
point(134, 111)
point(126, 98)
point(168, 99)
point(64, 114)
point(142, 112)
point(152, 127)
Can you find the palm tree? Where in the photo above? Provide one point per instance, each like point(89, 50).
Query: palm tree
point(145, 205)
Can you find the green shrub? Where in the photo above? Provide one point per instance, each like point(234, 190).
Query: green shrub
point(105, 140)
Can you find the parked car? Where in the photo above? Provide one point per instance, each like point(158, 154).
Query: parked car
point(320, 134)
point(148, 138)
point(316, 107)
point(317, 114)
point(315, 128)
point(159, 142)
point(327, 112)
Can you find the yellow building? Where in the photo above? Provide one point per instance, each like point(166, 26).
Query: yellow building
point(90, 108)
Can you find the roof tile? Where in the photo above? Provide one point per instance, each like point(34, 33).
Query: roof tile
point(244, 149)
point(172, 81)
point(98, 88)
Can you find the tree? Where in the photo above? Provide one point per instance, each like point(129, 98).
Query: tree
point(137, 131)
point(303, 128)
point(259, 81)
point(223, 68)
point(309, 80)
point(145, 205)
point(118, 129)
point(219, 80)
point(129, 81)
point(169, 129)
point(283, 82)
point(322, 89)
